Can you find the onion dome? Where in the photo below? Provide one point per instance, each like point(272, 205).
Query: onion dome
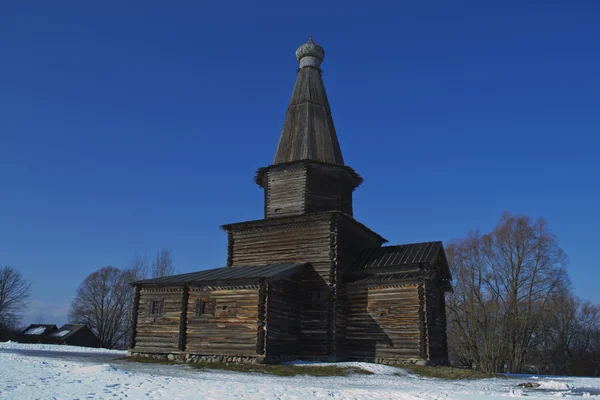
point(310, 54)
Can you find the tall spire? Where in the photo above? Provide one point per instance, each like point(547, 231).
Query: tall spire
point(308, 132)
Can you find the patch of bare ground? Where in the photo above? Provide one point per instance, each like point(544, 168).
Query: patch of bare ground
point(447, 372)
point(268, 369)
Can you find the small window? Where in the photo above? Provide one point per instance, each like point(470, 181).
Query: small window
point(156, 307)
point(315, 295)
point(205, 307)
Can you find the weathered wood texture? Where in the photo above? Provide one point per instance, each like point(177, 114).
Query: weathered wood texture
point(284, 313)
point(285, 191)
point(308, 132)
point(435, 307)
point(328, 187)
point(183, 318)
point(159, 333)
point(232, 331)
point(299, 240)
point(134, 317)
point(305, 187)
point(350, 239)
point(307, 241)
point(328, 241)
point(384, 322)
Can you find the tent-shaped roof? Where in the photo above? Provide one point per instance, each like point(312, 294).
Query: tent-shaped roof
point(225, 275)
point(308, 132)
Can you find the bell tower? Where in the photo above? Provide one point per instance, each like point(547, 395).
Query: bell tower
point(308, 173)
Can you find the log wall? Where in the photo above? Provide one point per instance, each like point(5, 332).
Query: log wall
point(285, 191)
point(302, 188)
point(384, 322)
point(327, 190)
point(232, 331)
point(350, 240)
point(158, 333)
point(435, 307)
point(308, 241)
point(284, 313)
point(330, 243)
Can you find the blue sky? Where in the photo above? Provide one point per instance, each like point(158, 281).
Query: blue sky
point(130, 126)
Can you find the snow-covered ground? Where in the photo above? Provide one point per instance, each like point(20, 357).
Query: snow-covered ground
point(44, 372)
point(59, 348)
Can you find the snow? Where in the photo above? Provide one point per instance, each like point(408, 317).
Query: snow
point(58, 348)
point(35, 331)
point(100, 374)
point(374, 368)
point(555, 385)
point(61, 333)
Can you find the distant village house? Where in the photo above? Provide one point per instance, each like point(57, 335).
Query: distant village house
point(70, 334)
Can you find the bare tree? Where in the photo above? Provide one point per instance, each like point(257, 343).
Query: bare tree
point(14, 296)
point(504, 280)
point(163, 264)
point(567, 342)
point(556, 334)
point(137, 269)
point(103, 302)
point(138, 266)
point(473, 311)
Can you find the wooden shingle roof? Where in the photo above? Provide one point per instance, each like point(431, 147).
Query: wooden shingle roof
point(404, 254)
point(308, 132)
point(227, 275)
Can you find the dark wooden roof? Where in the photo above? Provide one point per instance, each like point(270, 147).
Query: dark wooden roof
point(308, 132)
point(227, 275)
point(298, 219)
point(38, 329)
point(258, 178)
point(404, 254)
point(67, 330)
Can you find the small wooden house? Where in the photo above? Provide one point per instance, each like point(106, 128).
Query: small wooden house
point(74, 335)
point(308, 281)
point(36, 333)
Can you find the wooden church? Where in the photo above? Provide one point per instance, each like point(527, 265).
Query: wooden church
point(308, 281)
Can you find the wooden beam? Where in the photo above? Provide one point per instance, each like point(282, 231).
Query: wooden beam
point(134, 317)
point(261, 320)
point(183, 318)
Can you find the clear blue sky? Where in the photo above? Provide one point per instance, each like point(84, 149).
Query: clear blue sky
point(130, 126)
